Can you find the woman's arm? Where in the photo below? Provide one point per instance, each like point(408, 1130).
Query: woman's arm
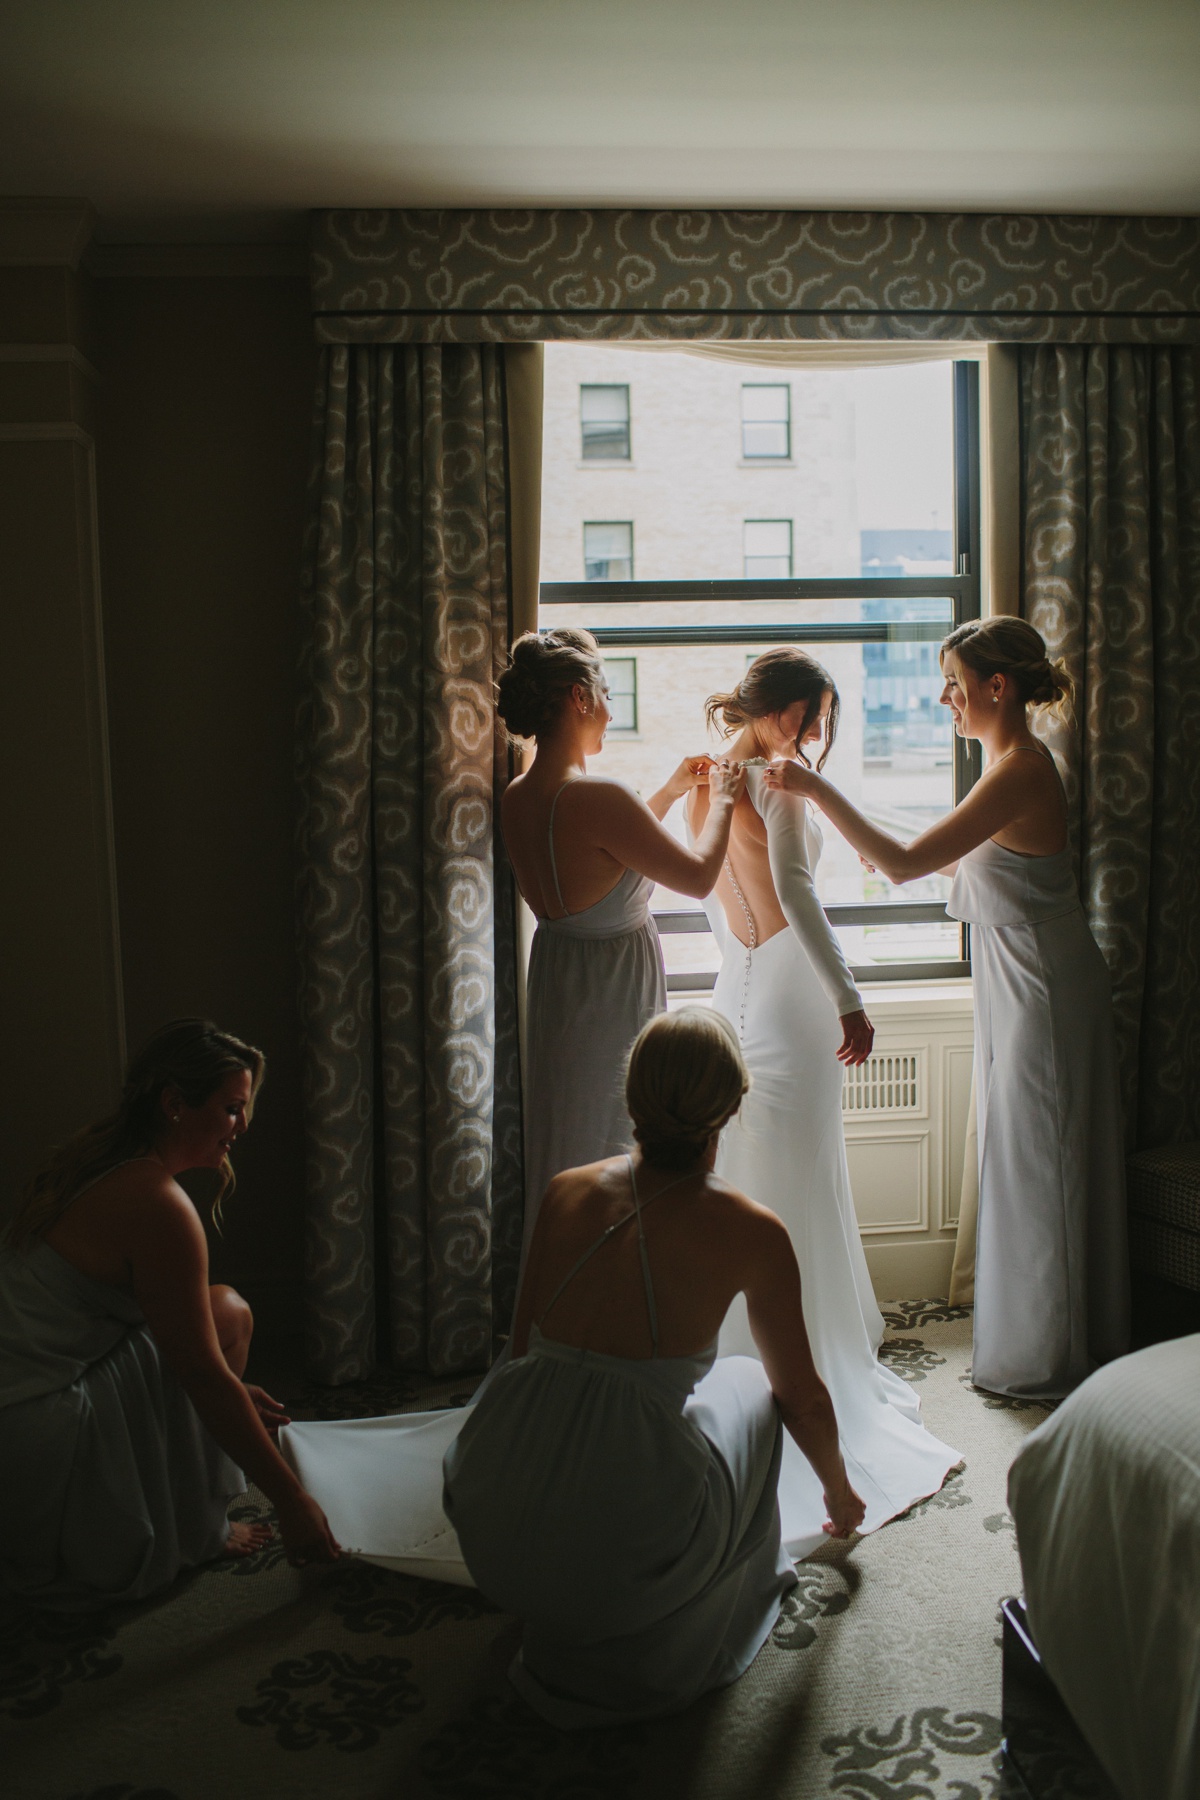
point(170, 1282)
point(994, 802)
point(776, 1312)
point(625, 827)
point(787, 852)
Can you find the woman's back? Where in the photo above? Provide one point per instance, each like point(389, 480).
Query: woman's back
point(594, 1283)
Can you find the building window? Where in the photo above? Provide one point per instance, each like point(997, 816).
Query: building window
point(621, 674)
point(608, 551)
point(767, 549)
point(766, 422)
point(604, 422)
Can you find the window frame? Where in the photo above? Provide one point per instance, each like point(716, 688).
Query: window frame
point(591, 582)
point(614, 386)
point(630, 694)
point(962, 589)
point(791, 549)
point(748, 456)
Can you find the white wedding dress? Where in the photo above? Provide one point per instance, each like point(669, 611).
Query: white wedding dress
point(787, 1150)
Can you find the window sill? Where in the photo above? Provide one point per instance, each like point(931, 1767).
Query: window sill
point(602, 462)
point(766, 462)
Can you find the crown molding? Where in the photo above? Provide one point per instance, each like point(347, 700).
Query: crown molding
point(38, 233)
point(192, 262)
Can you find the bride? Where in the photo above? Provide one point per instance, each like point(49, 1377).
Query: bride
point(786, 987)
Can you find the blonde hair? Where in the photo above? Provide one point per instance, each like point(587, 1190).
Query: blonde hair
point(543, 668)
point(774, 681)
point(1011, 647)
point(686, 1078)
point(189, 1054)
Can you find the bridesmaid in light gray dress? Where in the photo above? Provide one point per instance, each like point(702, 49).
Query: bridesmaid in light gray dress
point(587, 853)
point(1051, 1276)
point(125, 1425)
point(615, 1485)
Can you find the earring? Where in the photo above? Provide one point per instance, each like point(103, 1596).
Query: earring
point(175, 1118)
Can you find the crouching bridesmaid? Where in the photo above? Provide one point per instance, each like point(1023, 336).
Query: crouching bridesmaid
point(125, 1426)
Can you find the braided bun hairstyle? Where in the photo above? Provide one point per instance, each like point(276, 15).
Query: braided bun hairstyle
point(773, 682)
point(542, 670)
point(685, 1079)
point(1011, 647)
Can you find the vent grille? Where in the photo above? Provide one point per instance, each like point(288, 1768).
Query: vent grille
point(888, 1083)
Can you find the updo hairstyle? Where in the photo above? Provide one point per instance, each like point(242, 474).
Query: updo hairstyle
point(685, 1078)
point(1011, 647)
point(774, 681)
point(542, 670)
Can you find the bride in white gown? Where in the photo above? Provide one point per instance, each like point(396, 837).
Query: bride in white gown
point(785, 986)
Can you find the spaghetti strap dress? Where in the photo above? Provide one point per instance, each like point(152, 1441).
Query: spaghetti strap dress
point(625, 1509)
point(595, 978)
point(111, 1484)
point(1051, 1265)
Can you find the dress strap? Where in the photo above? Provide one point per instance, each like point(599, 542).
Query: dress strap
point(562, 905)
point(611, 1231)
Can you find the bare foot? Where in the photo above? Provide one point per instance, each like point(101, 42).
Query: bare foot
point(246, 1537)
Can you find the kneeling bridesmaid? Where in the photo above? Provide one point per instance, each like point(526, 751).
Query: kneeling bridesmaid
point(125, 1426)
point(612, 1487)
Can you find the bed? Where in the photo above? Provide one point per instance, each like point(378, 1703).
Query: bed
point(1106, 1500)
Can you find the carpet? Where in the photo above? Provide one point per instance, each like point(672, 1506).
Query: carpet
point(881, 1680)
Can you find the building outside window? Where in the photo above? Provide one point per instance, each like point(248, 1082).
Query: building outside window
point(621, 674)
point(767, 549)
point(608, 550)
point(870, 556)
point(766, 421)
point(604, 423)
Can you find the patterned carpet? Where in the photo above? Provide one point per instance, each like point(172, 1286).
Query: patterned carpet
point(881, 1680)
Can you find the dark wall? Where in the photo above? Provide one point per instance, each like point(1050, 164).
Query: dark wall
point(205, 398)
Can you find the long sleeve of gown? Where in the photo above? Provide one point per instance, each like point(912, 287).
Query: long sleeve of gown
point(787, 848)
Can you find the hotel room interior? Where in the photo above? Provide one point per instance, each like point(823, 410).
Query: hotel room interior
point(282, 291)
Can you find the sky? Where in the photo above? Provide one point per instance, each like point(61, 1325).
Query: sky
point(905, 438)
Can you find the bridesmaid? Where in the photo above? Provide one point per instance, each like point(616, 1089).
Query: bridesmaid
point(587, 853)
point(1051, 1276)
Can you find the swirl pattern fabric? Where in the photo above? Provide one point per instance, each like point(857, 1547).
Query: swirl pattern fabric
point(406, 905)
point(1111, 479)
point(478, 275)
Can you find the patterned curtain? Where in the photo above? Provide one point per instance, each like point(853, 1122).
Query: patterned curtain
point(1111, 503)
point(406, 903)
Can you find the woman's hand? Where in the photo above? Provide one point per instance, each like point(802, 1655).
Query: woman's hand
point(691, 773)
point(305, 1532)
point(270, 1411)
point(790, 776)
point(858, 1034)
point(846, 1510)
point(726, 780)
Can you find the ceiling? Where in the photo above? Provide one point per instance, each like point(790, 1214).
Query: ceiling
point(195, 120)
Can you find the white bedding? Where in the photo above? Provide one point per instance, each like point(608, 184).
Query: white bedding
point(1106, 1499)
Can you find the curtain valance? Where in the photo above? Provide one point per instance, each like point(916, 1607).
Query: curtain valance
point(529, 276)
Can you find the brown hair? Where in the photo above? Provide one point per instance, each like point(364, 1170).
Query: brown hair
point(189, 1054)
point(686, 1078)
point(543, 668)
point(1005, 646)
point(774, 681)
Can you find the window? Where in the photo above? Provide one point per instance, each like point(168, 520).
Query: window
point(604, 420)
point(608, 551)
point(766, 422)
point(767, 549)
point(621, 674)
point(877, 562)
